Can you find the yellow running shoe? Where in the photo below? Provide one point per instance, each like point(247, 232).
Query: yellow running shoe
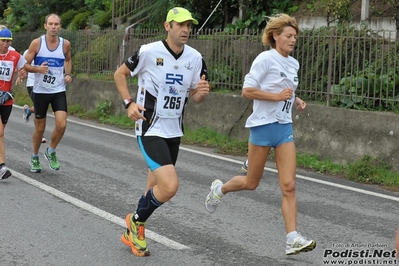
point(125, 238)
point(136, 233)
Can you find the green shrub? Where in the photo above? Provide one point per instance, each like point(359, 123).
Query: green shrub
point(368, 170)
point(104, 109)
point(103, 19)
point(67, 17)
point(100, 50)
point(75, 109)
point(79, 22)
point(363, 90)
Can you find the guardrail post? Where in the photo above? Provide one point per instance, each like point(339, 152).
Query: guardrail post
point(329, 74)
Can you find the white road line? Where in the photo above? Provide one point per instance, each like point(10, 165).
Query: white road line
point(266, 168)
point(90, 208)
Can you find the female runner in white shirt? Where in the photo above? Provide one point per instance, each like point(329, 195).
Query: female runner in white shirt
point(271, 84)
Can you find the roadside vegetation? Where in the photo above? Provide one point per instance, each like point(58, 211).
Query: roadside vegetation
point(368, 170)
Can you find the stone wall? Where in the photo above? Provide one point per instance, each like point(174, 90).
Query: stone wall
point(341, 135)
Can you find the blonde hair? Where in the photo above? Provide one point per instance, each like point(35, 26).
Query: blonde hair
point(276, 24)
point(3, 27)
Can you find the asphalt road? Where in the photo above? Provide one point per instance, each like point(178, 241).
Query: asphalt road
point(75, 216)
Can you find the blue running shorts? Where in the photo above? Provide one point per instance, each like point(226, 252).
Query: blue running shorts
point(271, 135)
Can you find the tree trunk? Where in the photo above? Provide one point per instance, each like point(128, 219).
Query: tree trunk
point(397, 18)
point(241, 13)
point(226, 13)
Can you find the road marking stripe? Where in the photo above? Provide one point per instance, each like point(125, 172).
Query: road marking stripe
point(90, 208)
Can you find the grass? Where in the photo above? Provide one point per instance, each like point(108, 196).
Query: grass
point(121, 121)
point(104, 76)
point(22, 98)
point(368, 170)
point(206, 137)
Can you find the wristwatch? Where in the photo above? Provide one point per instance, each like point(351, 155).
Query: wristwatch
point(127, 102)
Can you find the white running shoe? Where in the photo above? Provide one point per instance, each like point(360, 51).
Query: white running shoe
point(26, 113)
point(300, 244)
point(244, 167)
point(212, 199)
point(44, 140)
point(4, 172)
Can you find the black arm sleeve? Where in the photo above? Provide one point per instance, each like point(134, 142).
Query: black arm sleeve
point(204, 70)
point(132, 61)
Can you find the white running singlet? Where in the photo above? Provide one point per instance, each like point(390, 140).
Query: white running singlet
point(53, 81)
point(272, 72)
point(30, 81)
point(164, 81)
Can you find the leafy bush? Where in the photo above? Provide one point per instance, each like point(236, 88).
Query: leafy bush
point(364, 89)
point(101, 49)
point(79, 22)
point(67, 17)
point(75, 109)
point(368, 170)
point(103, 19)
point(104, 109)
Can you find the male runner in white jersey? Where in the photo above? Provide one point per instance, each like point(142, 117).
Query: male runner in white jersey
point(168, 71)
point(52, 67)
point(26, 110)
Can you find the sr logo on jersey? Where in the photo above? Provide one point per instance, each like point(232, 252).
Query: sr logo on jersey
point(172, 78)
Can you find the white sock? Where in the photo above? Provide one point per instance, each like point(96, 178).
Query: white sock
point(291, 236)
point(219, 191)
